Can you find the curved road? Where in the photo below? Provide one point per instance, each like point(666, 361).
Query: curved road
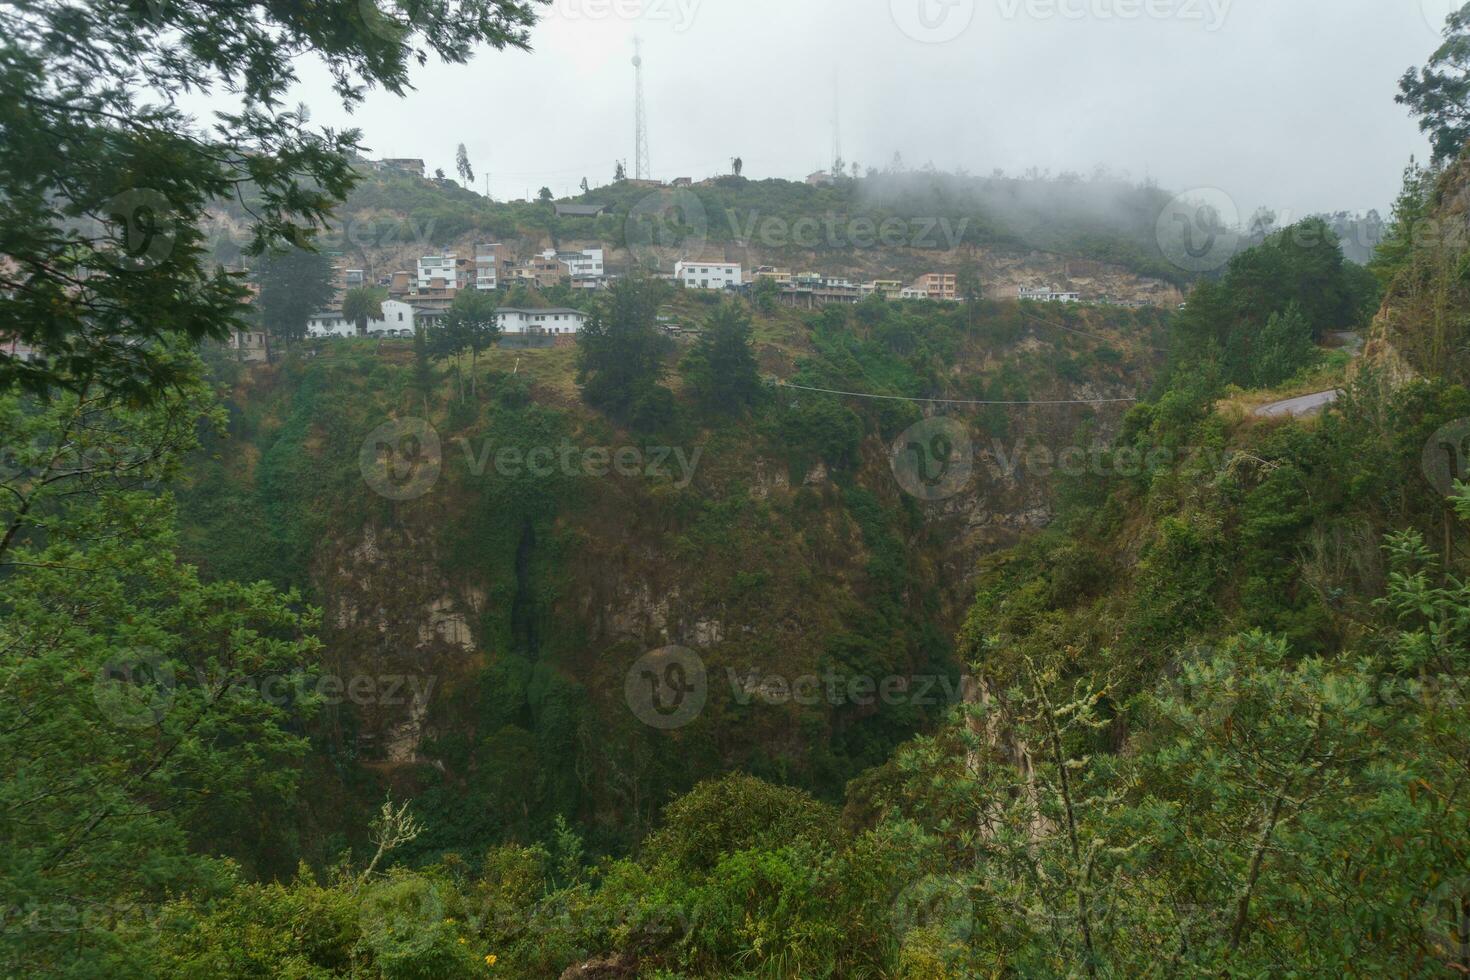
point(1301, 405)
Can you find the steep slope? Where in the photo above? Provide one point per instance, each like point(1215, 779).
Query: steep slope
point(779, 547)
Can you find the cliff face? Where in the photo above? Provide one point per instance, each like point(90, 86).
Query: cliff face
point(1423, 328)
point(508, 608)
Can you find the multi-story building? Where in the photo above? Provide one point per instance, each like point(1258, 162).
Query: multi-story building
point(1048, 294)
point(887, 288)
point(494, 266)
point(438, 272)
point(402, 283)
point(708, 275)
point(249, 345)
point(554, 321)
point(582, 264)
point(543, 272)
point(939, 285)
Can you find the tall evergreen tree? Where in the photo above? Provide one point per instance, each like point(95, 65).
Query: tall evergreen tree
point(294, 284)
point(620, 350)
point(721, 367)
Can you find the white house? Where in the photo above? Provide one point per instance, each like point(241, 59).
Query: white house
point(708, 275)
point(553, 321)
point(1048, 294)
point(397, 321)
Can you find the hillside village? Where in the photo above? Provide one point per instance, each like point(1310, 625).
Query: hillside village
point(421, 296)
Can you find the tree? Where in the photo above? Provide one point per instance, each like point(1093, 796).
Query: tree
point(971, 292)
point(1282, 348)
point(462, 164)
point(620, 171)
point(1439, 93)
point(545, 196)
point(153, 733)
point(586, 187)
point(106, 180)
point(620, 352)
point(474, 320)
point(448, 342)
point(423, 370)
point(721, 367)
point(294, 284)
point(737, 166)
point(439, 173)
point(361, 305)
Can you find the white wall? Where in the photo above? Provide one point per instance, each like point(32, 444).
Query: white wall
point(557, 321)
point(708, 275)
point(397, 315)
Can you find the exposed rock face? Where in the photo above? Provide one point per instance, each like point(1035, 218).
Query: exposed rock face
point(1419, 330)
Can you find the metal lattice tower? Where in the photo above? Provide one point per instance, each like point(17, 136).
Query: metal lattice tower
point(838, 165)
point(641, 167)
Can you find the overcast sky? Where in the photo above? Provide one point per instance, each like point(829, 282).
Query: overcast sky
point(1282, 103)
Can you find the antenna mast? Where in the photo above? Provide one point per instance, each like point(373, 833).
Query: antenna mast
point(641, 168)
point(838, 164)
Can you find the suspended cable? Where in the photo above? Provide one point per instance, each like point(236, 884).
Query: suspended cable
point(954, 401)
